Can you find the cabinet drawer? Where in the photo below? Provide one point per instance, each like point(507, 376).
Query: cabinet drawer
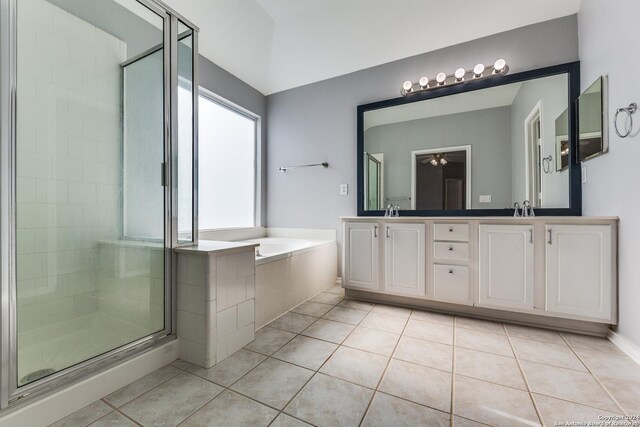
point(451, 283)
point(444, 250)
point(451, 232)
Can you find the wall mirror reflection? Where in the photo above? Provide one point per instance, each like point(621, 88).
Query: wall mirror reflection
point(481, 149)
point(592, 120)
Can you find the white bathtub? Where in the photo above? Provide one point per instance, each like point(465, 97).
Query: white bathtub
point(274, 248)
point(289, 271)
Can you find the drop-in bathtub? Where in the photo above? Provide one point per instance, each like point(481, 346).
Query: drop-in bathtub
point(289, 271)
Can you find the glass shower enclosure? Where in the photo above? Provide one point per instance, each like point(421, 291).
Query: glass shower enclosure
point(98, 180)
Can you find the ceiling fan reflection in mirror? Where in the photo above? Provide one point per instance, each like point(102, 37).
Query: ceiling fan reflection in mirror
point(436, 159)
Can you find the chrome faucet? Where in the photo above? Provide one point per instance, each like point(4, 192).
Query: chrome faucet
point(396, 211)
point(516, 210)
point(527, 209)
point(389, 211)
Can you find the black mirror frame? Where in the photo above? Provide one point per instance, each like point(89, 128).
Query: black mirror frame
point(572, 69)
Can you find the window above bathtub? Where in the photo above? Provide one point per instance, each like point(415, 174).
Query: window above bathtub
point(228, 157)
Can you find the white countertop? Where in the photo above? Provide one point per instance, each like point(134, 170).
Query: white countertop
point(484, 218)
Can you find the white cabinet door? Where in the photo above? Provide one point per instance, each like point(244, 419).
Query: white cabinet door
point(506, 267)
point(579, 270)
point(361, 260)
point(451, 284)
point(405, 259)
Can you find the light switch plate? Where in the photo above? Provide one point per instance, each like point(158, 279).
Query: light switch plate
point(584, 174)
point(485, 199)
point(344, 189)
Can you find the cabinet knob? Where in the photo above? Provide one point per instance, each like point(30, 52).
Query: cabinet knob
point(450, 229)
point(450, 248)
point(450, 271)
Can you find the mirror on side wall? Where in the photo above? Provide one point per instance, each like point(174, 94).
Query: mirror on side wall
point(478, 149)
point(593, 139)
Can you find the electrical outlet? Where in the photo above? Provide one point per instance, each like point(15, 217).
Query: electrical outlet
point(344, 189)
point(584, 174)
point(485, 199)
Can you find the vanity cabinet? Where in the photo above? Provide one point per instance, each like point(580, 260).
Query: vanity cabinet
point(361, 255)
point(579, 274)
point(450, 271)
point(506, 266)
point(404, 253)
point(534, 270)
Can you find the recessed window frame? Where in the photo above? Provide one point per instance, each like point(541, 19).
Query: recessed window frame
point(257, 158)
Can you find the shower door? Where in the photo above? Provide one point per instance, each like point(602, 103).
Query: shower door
point(91, 189)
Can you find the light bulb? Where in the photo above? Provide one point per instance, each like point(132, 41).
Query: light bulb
point(460, 72)
point(407, 86)
point(443, 161)
point(478, 70)
point(434, 162)
point(499, 65)
point(440, 78)
point(424, 82)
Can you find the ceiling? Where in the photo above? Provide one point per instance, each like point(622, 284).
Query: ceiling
point(275, 45)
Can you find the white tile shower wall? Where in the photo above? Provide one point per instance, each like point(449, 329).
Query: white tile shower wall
point(69, 139)
point(210, 329)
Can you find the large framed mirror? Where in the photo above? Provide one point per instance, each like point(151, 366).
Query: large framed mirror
point(474, 149)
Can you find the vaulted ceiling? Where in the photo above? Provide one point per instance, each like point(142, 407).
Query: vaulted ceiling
point(275, 45)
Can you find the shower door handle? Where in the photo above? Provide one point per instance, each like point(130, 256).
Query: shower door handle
point(163, 174)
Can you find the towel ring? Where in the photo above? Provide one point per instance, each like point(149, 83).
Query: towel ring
point(547, 165)
point(630, 110)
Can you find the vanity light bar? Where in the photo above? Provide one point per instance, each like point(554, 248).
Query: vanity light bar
point(480, 71)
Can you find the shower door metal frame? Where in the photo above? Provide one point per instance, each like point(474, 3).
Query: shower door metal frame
point(11, 396)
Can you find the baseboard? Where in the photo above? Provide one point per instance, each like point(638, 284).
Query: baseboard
point(629, 348)
point(51, 408)
point(339, 281)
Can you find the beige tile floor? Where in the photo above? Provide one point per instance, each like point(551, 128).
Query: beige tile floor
point(337, 362)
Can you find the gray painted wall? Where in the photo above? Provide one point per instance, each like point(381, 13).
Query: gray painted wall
point(487, 131)
point(614, 178)
point(552, 92)
point(317, 122)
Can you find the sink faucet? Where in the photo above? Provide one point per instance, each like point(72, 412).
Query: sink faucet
point(389, 211)
point(396, 211)
point(527, 209)
point(516, 210)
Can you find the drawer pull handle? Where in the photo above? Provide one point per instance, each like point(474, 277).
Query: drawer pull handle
point(450, 248)
point(450, 271)
point(375, 231)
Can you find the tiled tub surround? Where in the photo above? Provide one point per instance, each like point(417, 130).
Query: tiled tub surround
point(336, 361)
point(216, 300)
point(295, 264)
point(287, 279)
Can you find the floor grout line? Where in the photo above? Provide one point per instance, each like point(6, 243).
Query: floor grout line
point(526, 381)
point(384, 371)
point(117, 410)
point(453, 372)
point(606, 390)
